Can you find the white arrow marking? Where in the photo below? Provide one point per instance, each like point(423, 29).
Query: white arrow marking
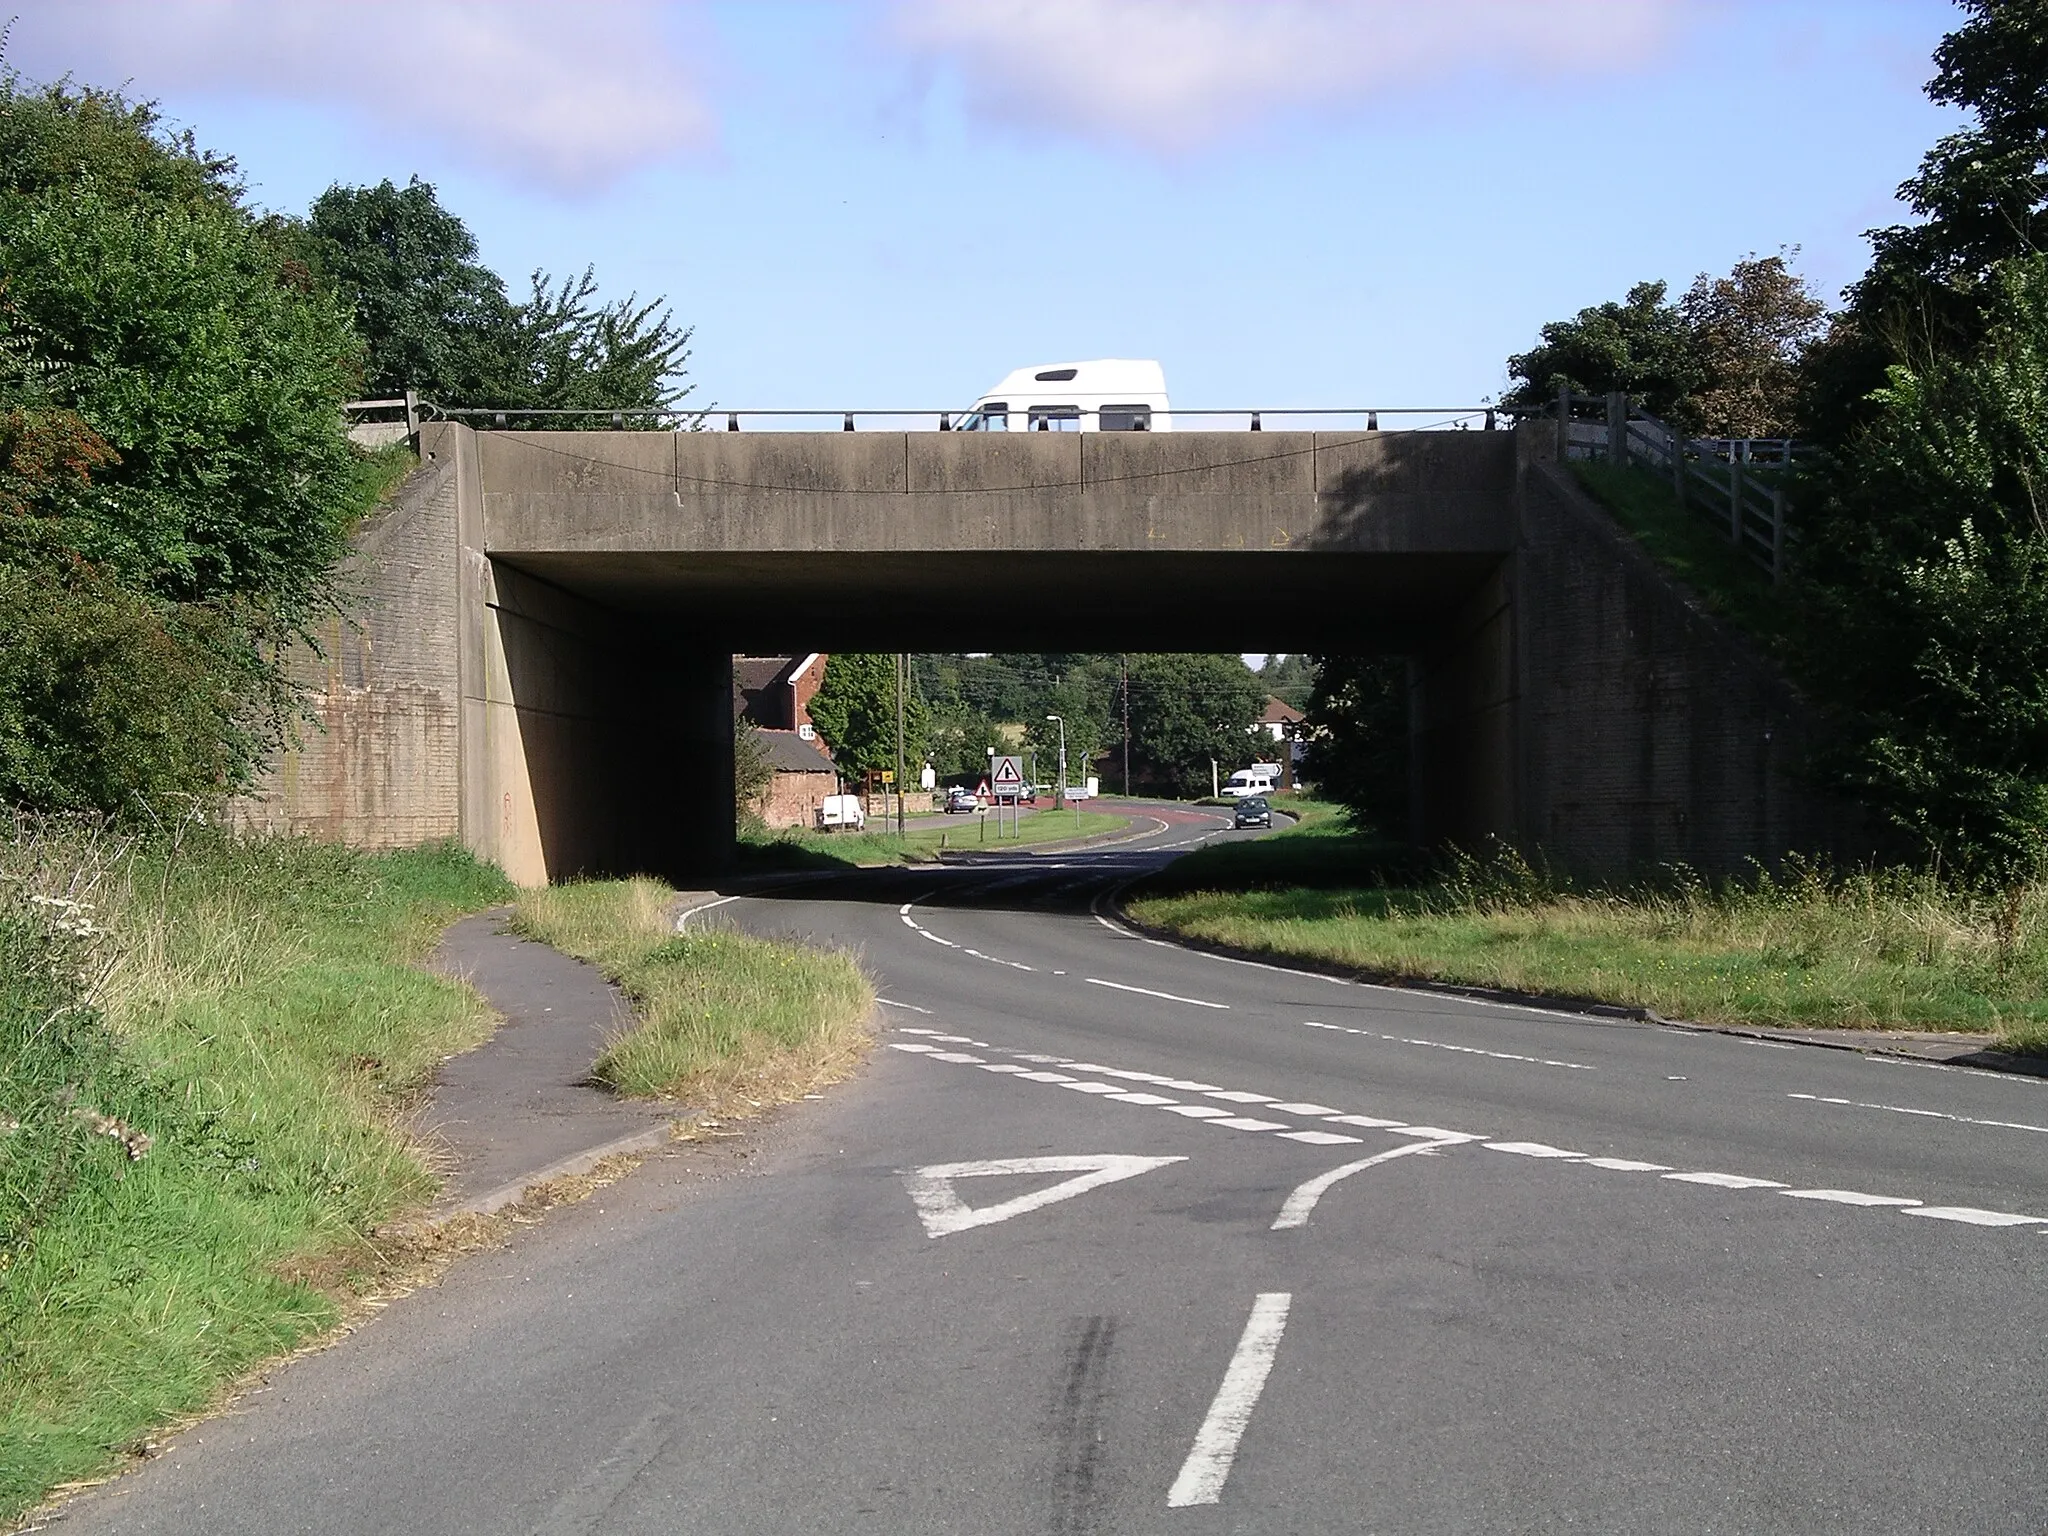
point(1296, 1211)
point(943, 1211)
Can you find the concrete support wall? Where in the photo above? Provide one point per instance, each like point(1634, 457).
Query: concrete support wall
point(1463, 717)
point(1649, 731)
point(380, 767)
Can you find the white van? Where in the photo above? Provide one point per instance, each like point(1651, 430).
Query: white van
point(841, 813)
point(1110, 394)
point(1259, 779)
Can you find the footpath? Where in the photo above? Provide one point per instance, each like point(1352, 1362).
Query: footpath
point(520, 1109)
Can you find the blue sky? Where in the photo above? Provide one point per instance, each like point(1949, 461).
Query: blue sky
point(892, 203)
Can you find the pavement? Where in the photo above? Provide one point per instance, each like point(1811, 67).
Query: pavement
point(521, 1109)
point(1116, 1237)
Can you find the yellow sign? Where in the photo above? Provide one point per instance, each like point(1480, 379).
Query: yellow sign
point(888, 775)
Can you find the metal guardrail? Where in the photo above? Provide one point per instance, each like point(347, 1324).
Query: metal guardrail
point(694, 417)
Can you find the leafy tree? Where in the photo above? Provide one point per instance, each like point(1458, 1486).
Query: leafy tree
point(437, 320)
point(1749, 331)
point(433, 317)
point(1290, 678)
point(1357, 723)
point(1187, 710)
point(1926, 586)
point(958, 741)
point(1641, 346)
point(751, 774)
point(854, 709)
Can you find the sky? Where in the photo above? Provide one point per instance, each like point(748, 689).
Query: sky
point(884, 204)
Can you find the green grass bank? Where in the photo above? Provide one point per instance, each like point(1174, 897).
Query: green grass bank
point(802, 848)
point(729, 1022)
point(1806, 949)
point(206, 1052)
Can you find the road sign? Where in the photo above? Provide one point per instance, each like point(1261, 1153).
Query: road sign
point(1006, 777)
point(888, 775)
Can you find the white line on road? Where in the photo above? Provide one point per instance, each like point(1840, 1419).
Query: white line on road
point(890, 1002)
point(1847, 1197)
point(1725, 1180)
point(1202, 1475)
point(1295, 1212)
point(1097, 981)
point(1521, 1148)
point(1926, 1114)
point(683, 918)
point(1974, 1217)
point(1441, 1045)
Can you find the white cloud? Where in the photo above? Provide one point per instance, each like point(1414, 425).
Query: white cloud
point(1173, 75)
point(569, 96)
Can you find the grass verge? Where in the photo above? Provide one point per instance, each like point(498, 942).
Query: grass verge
point(1879, 951)
point(1684, 542)
point(206, 1051)
point(729, 1022)
point(801, 848)
point(1318, 850)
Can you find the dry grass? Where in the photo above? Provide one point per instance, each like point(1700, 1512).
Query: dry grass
point(730, 1023)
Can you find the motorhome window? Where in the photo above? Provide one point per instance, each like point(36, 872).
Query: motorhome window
point(1127, 418)
point(1055, 375)
point(1055, 418)
point(992, 417)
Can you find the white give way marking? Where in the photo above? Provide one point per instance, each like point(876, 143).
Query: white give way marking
point(1208, 1464)
point(943, 1212)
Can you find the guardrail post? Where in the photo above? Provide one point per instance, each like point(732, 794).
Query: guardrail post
point(732, 421)
point(1372, 421)
point(1777, 532)
point(412, 414)
point(1735, 501)
point(1564, 422)
point(945, 421)
point(849, 423)
point(1256, 426)
point(1489, 421)
point(1617, 427)
point(1678, 465)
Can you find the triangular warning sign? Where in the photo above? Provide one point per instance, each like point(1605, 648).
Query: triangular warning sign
point(943, 1211)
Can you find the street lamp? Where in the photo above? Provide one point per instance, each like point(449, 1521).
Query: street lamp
point(1059, 798)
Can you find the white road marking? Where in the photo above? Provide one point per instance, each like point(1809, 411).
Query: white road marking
point(961, 1057)
point(1627, 1165)
point(1530, 1149)
point(1296, 1211)
point(1370, 1122)
point(1725, 1180)
point(1199, 1111)
point(1320, 1138)
point(1203, 1474)
point(1097, 981)
point(913, 1045)
point(1974, 1217)
point(890, 1002)
point(1084, 1087)
point(1846, 1197)
point(943, 1212)
point(927, 933)
point(1128, 1097)
point(1242, 1123)
point(1043, 1077)
point(1305, 1109)
point(1239, 1096)
point(1442, 1045)
point(683, 918)
point(1927, 1114)
point(1002, 1066)
point(1438, 1133)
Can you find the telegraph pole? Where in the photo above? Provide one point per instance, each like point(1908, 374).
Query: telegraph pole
point(902, 667)
point(1124, 666)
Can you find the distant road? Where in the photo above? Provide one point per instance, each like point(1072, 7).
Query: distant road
point(1118, 1238)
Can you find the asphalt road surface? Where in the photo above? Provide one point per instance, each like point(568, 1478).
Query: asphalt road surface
point(1113, 1237)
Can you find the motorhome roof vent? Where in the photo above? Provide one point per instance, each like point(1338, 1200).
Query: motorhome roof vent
point(1055, 375)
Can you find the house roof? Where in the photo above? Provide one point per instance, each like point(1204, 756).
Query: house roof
point(752, 673)
point(1279, 712)
point(788, 752)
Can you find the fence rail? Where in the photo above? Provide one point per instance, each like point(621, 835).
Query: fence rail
point(1715, 477)
point(1243, 418)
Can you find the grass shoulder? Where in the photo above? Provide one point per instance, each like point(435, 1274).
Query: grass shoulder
point(1882, 951)
point(803, 848)
point(209, 1051)
point(728, 1022)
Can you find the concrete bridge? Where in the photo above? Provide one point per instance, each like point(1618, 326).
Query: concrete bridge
point(539, 663)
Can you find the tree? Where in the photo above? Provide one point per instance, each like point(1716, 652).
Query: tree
point(1926, 589)
point(1749, 331)
point(1357, 725)
point(1641, 346)
point(1290, 678)
point(1187, 711)
point(751, 773)
point(439, 321)
point(854, 709)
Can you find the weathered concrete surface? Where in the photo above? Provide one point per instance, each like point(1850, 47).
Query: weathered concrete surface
point(582, 594)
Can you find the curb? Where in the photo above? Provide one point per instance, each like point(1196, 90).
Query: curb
point(577, 1162)
point(1967, 1053)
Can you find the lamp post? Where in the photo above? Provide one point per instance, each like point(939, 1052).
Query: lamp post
point(1059, 796)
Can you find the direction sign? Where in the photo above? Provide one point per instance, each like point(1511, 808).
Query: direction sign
point(1006, 777)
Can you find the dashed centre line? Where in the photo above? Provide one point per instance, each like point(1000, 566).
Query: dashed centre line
point(1925, 1114)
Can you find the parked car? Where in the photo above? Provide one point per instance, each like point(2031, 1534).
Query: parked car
point(962, 799)
point(1254, 812)
point(841, 813)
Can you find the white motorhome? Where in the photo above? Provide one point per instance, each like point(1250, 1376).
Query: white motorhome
point(1259, 779)
point(1110, 394)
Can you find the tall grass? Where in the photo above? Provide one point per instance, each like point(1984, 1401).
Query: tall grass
point(207, 1045)
point(728, 1022)
point(1805, 947)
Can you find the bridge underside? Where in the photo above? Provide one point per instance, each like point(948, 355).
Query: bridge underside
point(982, 601)
point(542, 663)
